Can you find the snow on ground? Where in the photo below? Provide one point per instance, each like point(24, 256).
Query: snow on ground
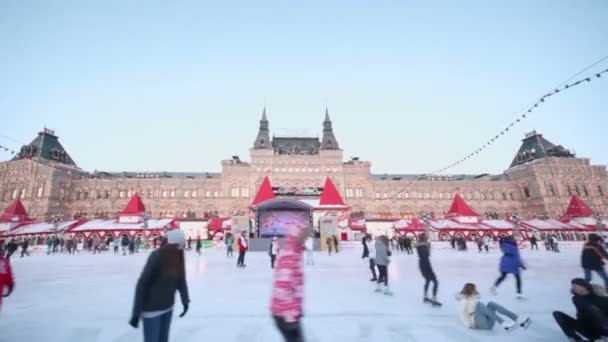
point(65, 298)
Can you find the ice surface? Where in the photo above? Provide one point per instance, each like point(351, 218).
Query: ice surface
point(79, 298)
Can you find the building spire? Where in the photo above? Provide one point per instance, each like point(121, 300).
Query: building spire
point(328, 141)
point(262, 141)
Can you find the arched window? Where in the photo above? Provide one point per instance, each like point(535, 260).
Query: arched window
point(40, 191)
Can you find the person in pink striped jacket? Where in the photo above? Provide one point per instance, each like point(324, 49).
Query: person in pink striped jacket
point(288, 287)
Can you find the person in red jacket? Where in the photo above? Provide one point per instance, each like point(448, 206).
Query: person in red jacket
point(6, 277)
point(288, 287)
point(243, 247)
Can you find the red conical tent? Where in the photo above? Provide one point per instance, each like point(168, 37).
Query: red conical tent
point(265, 193)
point(15, 210)
point(134, 207)
point(330, 195)
point(578, 208)
point(460, 208)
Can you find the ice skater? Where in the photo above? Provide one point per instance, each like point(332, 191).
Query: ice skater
point(372, 257)
point(163, 275)
point(288, 286)
point(510, 263)
point(423, 248)
point(486, 243)
point(199, 245)
point(11, 247)
point(593, 258)
point(6, 277)
point(382, 260)
point(591, 312)
point(329, 242)
point(479, 242)
point(365, 247)
point(273, 251)
point(229, 243)
point(124, 242)
point(479, 316)
point(243, 247)
point(335, 240)
point(407, 241)
point(533, 242)
point(24, 245)
point(116, 245)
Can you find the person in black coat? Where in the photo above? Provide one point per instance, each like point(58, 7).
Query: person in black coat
point(424, 252)
point(11, 247)
point(593, 258)
point(24, 246)
point(124, 243)
point(533, 242)
point(163, 275)
point(591, 320)
point(365, 248)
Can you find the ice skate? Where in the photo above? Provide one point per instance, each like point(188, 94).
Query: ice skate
point(524, 322)
point(378, 289)
point(509, 326)
point(521, 296)
point(433, 302)
point(373, 279)
point(388, 292)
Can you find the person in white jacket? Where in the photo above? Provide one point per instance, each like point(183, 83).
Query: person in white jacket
point(476, 315)
point(309, 245)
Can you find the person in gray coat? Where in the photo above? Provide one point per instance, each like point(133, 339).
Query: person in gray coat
point(382, 260)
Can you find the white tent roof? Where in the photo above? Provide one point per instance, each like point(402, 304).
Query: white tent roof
point(546, 224)
point(497, 224)
point(315, 203)
point(41, 228)
point(114, 225)
point(449, 224)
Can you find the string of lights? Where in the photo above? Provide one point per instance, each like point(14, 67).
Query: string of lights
point(522, 116)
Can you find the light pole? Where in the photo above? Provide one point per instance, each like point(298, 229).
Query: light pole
point(515, 219)
point(426, 218)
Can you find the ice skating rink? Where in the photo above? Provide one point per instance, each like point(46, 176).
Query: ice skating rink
point(80, 298)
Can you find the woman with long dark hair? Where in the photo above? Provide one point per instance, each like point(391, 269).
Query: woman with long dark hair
point(423, 248)
point(163, 275)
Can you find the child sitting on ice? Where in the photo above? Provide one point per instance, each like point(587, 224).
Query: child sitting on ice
point(476, 315)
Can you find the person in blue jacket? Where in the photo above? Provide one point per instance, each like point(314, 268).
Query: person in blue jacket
point(510, 263)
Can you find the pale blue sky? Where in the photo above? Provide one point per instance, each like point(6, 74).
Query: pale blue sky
point(411, 86)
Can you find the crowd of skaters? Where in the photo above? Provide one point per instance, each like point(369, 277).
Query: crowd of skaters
point(164, 274)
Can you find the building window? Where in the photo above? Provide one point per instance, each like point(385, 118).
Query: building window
point(526, 192)
point(85, 195)
point(41, 190)
point(427, 195)
point(359, 193)
point(385, 195)
point(107, 194)
point(576, 189)
point(568, 190)
point(164, 194)
point(22, 194)
point(129, 193)
point(585, 190)
point(150, 193)
point(600, 192)
point(216, 194)
point(490, 196)
point(121, 194)
point(512, 196)
point(441, 195)
point(407, 195)
point(483, 196)
point(234, 192)
point(551, 190)
point(377, 195)
point(399, 195)
point(186, 194)
point(349, 193)
point(504, 196)
point(245, 192)
point(172, 194)
point(208, 194)
point(193, 193)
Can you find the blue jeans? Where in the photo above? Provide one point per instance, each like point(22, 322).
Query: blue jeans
point(601, 272)
point(486, 315)
point(157, 329)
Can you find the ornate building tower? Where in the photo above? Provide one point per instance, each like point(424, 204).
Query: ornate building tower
point(263, 139)
point(329, 141)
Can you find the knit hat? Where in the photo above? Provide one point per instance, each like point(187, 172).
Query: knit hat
point(176, 237)
point(583, 283)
